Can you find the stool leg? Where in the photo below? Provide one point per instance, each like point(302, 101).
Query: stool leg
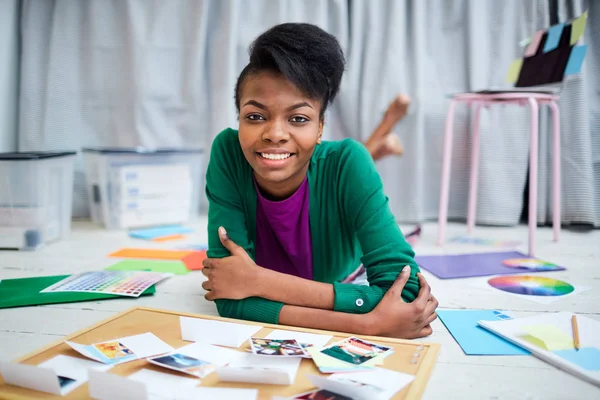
point(556, 163)
point(474, 172)
point(533, 173)
point(443, 212)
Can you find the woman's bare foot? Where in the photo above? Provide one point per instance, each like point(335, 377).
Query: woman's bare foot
point(381, 143)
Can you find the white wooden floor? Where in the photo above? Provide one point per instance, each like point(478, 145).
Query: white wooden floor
point(455, 376)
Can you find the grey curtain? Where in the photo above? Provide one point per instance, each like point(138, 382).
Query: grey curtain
point(162, 73)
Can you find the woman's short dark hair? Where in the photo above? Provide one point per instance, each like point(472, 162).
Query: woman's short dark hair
point(304, 54)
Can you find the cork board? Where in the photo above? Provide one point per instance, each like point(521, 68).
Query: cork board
point(165, 325)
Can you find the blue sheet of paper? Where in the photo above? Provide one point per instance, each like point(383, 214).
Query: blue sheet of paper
point(553, 38)
point(475, 340)
point(586, 357)
point(159, 231)
point(576, 60)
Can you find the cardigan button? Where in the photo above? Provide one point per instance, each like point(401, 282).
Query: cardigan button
point(359, 302)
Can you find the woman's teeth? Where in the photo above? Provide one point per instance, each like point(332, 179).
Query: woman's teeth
point(275, 156)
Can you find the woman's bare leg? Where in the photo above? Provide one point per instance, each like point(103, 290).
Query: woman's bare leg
point(382, 143)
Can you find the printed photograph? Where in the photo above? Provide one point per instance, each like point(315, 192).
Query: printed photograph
point(355, 351)
point(321, 395)
point(277, 347)
point(65, 381)
point(185, 364)
point(114, 350)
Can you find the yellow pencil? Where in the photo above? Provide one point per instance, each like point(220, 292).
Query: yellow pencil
point(575, 331)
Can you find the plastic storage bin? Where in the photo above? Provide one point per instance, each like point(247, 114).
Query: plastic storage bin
point(131, 188)
point(36, 193)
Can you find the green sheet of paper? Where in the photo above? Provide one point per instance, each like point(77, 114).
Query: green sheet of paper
point(577, 27)
point(26, 292)
point(174, 267)
point(514, 70)
point(548, 337)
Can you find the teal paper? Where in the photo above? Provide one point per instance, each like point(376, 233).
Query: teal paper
point(586, 357)
point(576, 60)
point(553, 38)
point(475, 340)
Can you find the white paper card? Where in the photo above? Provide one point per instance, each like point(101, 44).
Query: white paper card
point(161, 385)
point(251, 368)
point(380, 384)
point(30, 377)
point(301, 337)
point(107, 386)
point(72, 368)
point(197, 359)
point(218, 394)
point(221, 333)
point(117, 351)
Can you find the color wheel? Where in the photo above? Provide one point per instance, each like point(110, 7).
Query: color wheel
point(530, 264)
point(531, 285)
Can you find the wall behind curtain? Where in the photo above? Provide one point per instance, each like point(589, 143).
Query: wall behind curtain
point(9, 73)
point(162, 73)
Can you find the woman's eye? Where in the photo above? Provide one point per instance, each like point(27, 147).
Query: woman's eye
point(254, 117)
point(299, 119)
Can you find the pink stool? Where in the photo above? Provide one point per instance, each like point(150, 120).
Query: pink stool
point(486, 99)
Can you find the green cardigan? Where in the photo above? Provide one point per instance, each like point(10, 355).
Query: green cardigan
point(350, 223)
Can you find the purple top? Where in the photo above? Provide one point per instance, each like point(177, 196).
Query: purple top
point(283, 241)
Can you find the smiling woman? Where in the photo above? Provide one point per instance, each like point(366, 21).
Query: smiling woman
point(293, 219)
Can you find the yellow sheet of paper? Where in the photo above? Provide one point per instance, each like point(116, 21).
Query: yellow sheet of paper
point(577, 27)
point(513, 71)
point(548, 337)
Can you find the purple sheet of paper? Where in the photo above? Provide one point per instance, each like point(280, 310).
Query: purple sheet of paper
point(470, 265)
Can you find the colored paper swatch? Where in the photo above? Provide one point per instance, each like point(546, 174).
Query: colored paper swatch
point(586, 357)
point(173, 267)
point(151, 254)
point(124, 283)
point(577, 27)
point(548, 337)
point(159, 232)
point(475, 340)
point(553, 38)
point(532, 49)
point(26, 292)
point(469, 265)
point(514, 70)
point(576, 60)
point(531, 285)
point(525, 42)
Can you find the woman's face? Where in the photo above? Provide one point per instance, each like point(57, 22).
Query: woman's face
point(279, 128)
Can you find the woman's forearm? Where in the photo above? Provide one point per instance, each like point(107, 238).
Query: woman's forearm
point(357, 324)
point(293, 290)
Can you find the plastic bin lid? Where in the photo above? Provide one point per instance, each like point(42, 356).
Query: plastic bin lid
point(139, 150)
point(34, 155)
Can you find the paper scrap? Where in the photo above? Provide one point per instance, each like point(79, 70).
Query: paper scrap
point(553, 38)
point(159, 232)
point(107, 386)
point(73, 371)
point(576, 59)
point(163, 385)
point(532, 49)
point(252, 368)
point(303, 338)
point(514, 70)
point(118, 351)
point(473, 339)
point(577, 27)
point(547, 336)
point(524, 42)
point(150, 254)
point(377, 384)
point(587, 358)
point(197, 359)
point(173, 267)
point(229, 334)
